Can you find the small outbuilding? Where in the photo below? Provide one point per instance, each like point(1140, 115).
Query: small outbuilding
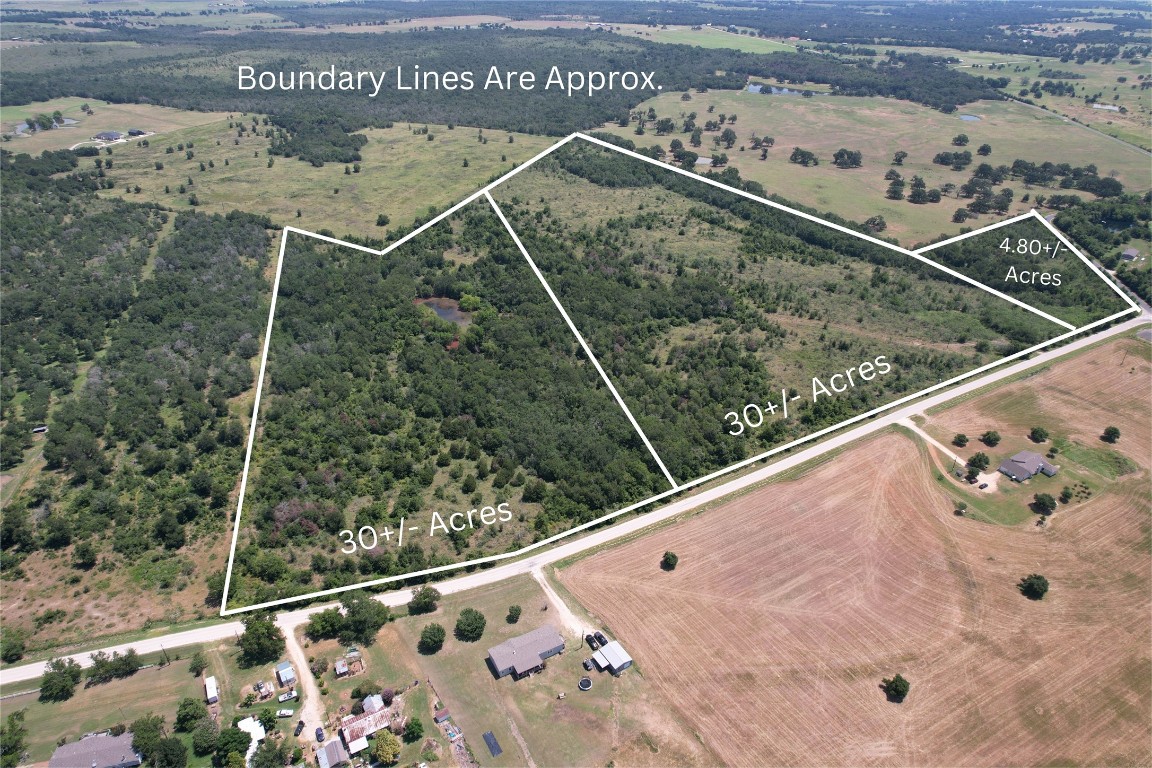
point(211, 690)
point(440, 716)
point(613, 658)
point(285, 674)
point(332, 755)
point(136, 132)
point(493, 745)
point(525, 654)
point(1026, 465)
point(341, 668)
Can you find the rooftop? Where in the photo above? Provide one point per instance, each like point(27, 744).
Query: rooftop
point(524, 652)
point(101, 750)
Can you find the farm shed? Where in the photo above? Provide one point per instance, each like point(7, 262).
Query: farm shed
point(1025, 465)
point(373, 703)
point(332, 755)
point(285, 674)
point(341, 668)
point(101, 750)
point(440, 716)
point(525, 653)
point(613, 658)
point(211, 690)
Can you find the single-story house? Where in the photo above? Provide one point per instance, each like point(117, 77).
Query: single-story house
point(613, 658)
point(1025, 465)
point(332, 755)
point(108, 136)
point(285, 674)
point(1130, 254)
point(355, 729)
point(524, 654)
point(100, 750)
point(211, 690)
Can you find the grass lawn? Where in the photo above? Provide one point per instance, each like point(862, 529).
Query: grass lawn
point(878, 127)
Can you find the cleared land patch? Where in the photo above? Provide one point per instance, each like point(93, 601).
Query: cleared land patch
point(878, 128)
point(790, 604)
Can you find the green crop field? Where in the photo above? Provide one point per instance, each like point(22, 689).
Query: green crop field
point(879, 127)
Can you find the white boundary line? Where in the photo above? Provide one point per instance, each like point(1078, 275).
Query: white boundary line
point(486, 192)
point(1086, 260)
point(982, 230)
point(583, 343)
point(829, 224)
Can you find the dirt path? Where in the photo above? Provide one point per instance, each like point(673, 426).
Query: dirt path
point(311, 712)
point(523, 744)
point(563, 613)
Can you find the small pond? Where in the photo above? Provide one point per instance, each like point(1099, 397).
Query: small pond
point(970, 118)
point(447, 309)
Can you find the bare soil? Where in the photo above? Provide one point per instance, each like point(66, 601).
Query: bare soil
point(789, 605)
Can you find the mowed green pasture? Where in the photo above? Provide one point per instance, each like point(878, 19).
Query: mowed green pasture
point(878, 127)
point(402, 174)
point(706, 37)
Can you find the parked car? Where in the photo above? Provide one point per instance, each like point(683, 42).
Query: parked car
point(299, 728)
point(588, 664)
point(319, 733)
point(972, 481)
point(601, 639)
point(283, 713)
point(591, 639)
point(983, 486)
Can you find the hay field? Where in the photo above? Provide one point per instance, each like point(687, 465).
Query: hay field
point(791, 603)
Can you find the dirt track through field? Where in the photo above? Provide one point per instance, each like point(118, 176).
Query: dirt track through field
point(790, 604)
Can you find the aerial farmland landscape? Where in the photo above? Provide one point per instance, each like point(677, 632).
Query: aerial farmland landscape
point(606, 383)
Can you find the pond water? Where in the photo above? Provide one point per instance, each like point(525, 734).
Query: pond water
point(777, 91)
point(447, 309)
point(23, 127)
point(970, 118)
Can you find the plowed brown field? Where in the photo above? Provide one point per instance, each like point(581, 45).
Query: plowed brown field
point(790, 604)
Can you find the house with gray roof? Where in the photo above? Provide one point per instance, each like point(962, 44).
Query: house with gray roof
point(1025, 465)
point(525, 654)
point(99, 750)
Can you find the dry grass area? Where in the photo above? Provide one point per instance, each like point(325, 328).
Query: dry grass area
point(791, 603)
point(1110, 385)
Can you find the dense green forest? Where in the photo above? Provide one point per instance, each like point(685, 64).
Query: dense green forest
point(379, 410)
point(1104, 228)
point(128, 334)
point(1079, 297)
point(698, 302)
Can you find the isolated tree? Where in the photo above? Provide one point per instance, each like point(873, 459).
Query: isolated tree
point(979, 461)
point(387, 748)
point(414, 730)
point(204, 737)
point(470, 625)
point(669, 561)
point(728, 138)
point(423, 600)
point(898, 158)
point(896, 687)
point(261, 642)
point(984, 150)
point(1038, 435)
point(12, 644)
point(960, 216)
point(876, 223)
point(513, 614)
point(190, 712)
point(1111, 434)
point(960, 140)
point(170, 752)
point(431, 639)
point(363, 618)
point(382, 220)
point(267, 718)
point(1044, 502)
point(991, 438)
point(1033, 586)
point(960, 440)
point(60, 679)
point(84, 556)
point(847, 158)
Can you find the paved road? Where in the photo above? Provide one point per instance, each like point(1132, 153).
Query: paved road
point(288, 620)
